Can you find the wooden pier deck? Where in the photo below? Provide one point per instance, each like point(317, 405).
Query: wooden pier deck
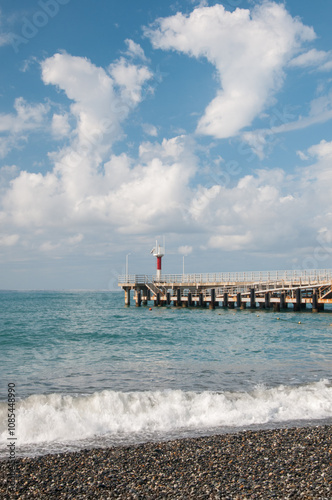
point(266, 289)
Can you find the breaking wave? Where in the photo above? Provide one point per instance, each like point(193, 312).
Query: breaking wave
point(115, 417)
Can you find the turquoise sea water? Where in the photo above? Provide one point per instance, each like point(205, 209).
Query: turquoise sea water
point(90, 372)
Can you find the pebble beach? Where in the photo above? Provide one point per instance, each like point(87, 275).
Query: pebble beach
point(282, 463)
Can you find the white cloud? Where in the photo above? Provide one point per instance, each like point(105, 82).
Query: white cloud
point(94, 198)
point(249, 51)
point(320, 59)
point(135, 50)
point(126, 195)
point(323, 150)
point(74, 240)
point(9, 240)
point(5, 38)
point(91, 90)
point(231, 242)
point(27, 117)
point(48, 246)
point(60, 125)
point(302, 155)
point(98, 106)
point(258, 213)
point(150, 129)
point(14, 127)
point(185, 250)
point(320, 112)
point(130, 78)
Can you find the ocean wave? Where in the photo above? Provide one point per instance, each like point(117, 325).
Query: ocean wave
point(64, 418)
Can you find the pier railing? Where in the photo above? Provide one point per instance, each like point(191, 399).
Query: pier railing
point(298, 277)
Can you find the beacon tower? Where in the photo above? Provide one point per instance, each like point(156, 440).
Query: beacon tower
point(158, 251)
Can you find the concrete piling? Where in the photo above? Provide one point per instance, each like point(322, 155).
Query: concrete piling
point(212, 304)
point(252, 299)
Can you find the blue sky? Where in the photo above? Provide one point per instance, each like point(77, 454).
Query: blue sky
point(120, 122)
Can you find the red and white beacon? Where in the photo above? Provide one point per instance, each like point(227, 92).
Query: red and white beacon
point(158, 251)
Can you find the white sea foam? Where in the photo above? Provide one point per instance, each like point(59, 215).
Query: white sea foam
point(63, 418)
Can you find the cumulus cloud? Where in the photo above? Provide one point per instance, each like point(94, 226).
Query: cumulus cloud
point(60, 125)
point(130, 79)
point(100, 101)
point(92, 91)
point(249, 51)
point(271, 210)
point(251, 215)
point(93, 195)
point(323, 150)
point(78, 192)
point(132, 197)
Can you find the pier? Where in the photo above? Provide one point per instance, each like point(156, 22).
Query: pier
point(275, 290)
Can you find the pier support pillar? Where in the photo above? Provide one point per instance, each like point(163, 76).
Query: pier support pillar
point(225, 301)
point(145, 296)
point(168, 298)
point(190, 302)
point(231, 305)
point(148, 294)
point(178, 297)
point(127, 296)
point(297, 305)
point(314, 303)
point(201, 300)
point(267, 300)
point(252, 299)
point(238, 300)
point(282, 301)
point(212, 304)
point(138, 298)
point(157, 299)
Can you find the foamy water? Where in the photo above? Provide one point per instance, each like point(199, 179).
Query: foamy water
point(62, 419)
point(89, 372)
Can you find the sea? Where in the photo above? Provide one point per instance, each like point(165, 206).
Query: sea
point(86, 371)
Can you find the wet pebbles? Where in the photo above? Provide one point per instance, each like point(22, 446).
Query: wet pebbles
point(284, 463)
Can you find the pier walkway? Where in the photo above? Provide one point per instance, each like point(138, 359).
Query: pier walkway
point(264, 289)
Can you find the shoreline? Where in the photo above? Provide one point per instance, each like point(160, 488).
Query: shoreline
point(279, 463)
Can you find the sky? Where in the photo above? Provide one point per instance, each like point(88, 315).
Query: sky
point(204, 122)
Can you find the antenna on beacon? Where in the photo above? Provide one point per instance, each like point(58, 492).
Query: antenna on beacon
point(158, 251)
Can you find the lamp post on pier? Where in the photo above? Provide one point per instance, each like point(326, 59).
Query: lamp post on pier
point(127, 265)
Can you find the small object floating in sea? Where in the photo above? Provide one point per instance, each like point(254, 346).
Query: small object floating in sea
point(278, 318)
point(299, 322)
point(150, 308)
